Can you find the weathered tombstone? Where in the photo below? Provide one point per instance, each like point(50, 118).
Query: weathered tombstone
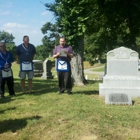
point(118, 98)
point(121, 77)
point(47, 66)
point(38, 68)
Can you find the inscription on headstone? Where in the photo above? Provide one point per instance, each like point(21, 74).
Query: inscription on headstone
point(115, 98)
point(38, 68)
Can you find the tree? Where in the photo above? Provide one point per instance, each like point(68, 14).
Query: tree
point(49, 40)
point(10, 45)
point(72, 17)
point(6, 37)
point(125, 21)
point(113, 24)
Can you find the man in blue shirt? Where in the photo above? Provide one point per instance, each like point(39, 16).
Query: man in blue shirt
point(25, 53)
point(6, 60)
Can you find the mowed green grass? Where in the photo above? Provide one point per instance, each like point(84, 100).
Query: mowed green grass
point(45, 115)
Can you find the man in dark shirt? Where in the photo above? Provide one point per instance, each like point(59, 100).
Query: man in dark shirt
point(25, 53)
point(63, 53)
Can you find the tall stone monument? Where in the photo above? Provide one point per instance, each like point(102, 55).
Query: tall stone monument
point(122, 76)
point(47, 66)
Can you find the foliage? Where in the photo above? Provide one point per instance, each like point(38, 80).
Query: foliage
point(10, 45)
point(12, 49)
point(71, 17)
point(125, 20)
point(42, 52)
point(113, 24)
point(6, 37)
point(49, 41)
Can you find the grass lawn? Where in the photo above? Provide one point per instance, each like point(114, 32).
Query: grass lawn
point(45, 115)
point(99, 69)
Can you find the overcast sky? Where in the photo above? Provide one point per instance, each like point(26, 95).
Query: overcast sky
point(24, 17)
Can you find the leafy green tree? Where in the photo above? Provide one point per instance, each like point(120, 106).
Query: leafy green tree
point(42, 53)
point(125, 21)
point(72, 17)
point(8, 39)
point(49, 40)
point(113, 24)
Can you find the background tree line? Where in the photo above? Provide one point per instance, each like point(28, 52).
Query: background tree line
point(92, 28)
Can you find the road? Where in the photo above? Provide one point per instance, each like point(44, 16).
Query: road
point(90, 71)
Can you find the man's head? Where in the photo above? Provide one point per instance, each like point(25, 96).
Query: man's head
point(25, 39)
point(62, 41)
point(2, 46)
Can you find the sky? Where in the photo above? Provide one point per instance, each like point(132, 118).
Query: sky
point(25, 17)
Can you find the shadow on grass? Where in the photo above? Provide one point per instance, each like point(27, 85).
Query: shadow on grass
point(6, 100)
point(88, 92)
point(10, 108)
point(16, 124)
point(93, 82)
point(40, 86)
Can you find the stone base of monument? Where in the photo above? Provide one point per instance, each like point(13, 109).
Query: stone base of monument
point(47, 75)
point(129, 85)
point(38, 73)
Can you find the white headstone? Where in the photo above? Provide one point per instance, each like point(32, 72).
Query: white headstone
point(122, 73)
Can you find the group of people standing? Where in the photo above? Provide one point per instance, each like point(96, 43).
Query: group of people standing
point(25, 53)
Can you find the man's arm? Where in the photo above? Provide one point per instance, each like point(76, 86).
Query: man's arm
point(56, 55)
point(69, 54)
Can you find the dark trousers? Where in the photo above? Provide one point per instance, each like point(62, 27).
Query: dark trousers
point(10, 85)
point(64, 81)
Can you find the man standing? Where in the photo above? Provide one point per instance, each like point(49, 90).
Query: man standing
point(63, 53)
point(6, 73)
point(25, 53)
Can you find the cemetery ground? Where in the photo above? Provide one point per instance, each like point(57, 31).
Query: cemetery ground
point(46, 115)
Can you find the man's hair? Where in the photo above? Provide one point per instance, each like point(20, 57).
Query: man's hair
point(62, 37)
point(3, 43)
point(25, 36)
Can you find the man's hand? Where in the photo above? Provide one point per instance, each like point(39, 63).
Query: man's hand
point(56, 55)
point(70, 55)
point(66, 52)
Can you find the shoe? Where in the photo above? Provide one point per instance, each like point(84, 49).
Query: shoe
point(13, 95)
point(31, 92)
point(2, 96)
point(60, 92)
point(69, 92)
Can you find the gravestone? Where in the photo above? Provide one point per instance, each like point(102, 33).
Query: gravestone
point(118, 98)
point(38, 68)
point(122, 75)
point(47, 66)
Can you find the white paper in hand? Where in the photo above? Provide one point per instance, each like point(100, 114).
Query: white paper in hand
point(62, 53)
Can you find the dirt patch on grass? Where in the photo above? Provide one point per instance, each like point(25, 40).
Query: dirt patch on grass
point(92, 137)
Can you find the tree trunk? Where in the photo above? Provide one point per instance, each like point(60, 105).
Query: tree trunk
point(77, 65)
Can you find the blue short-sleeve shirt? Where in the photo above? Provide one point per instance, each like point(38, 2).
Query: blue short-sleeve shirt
point(26, 54)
